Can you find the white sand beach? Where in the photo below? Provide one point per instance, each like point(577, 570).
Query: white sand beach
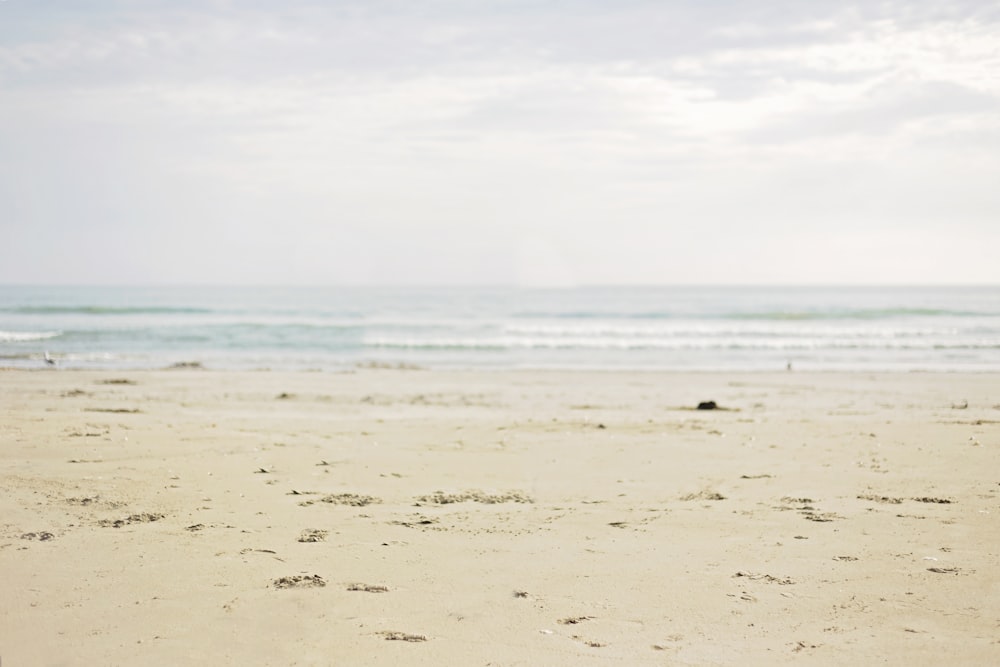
point(392, 517)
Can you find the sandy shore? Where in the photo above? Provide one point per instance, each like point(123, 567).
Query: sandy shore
point(513, 518)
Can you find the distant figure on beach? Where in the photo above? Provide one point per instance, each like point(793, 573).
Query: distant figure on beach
point(789, 366)
point(49, 361)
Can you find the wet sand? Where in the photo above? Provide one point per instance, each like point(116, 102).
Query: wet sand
point(395, 517)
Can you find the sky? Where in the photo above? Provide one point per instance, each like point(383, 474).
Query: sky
point(522, 142)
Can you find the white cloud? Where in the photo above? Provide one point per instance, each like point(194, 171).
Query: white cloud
point(598, 131)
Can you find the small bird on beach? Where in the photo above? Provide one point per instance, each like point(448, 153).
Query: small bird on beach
point(49, 360)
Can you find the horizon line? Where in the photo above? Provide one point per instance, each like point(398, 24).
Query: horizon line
point(506, 286)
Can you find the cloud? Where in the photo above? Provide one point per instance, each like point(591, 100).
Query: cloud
point(439, 124)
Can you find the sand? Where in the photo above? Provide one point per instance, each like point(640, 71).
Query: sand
point(399, 517)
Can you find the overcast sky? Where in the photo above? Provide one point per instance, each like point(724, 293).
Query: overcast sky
point(499, 142)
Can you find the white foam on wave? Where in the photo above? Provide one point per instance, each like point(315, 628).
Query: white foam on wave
point(678, 343)
point(695, 329)
point(26, 336)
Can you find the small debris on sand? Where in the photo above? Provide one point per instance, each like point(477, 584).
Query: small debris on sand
point(880, 499)
point(704, 495)
point(419, 520)
point(368, 588)
point(784, 581)
point(573, 620)
point(41, 537)
point(300, 581)
point(88, 501)
point(441, 498)
point(589, 642)
point(312, 535)
point(394, 636)
point(708, 405)
point(801, 646)
point(144, 517)
point(352, 499)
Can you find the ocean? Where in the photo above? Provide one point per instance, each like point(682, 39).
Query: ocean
point(339, 328)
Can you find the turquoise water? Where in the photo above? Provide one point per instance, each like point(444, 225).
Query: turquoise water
point(683, 328)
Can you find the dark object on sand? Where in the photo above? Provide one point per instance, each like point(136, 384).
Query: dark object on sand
point(186, 364)
point(708, 405)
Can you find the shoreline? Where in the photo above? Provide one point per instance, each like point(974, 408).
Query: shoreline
point(506, 516)
point(471, 370)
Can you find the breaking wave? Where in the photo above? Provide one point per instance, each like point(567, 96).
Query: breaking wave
point(27, 336)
